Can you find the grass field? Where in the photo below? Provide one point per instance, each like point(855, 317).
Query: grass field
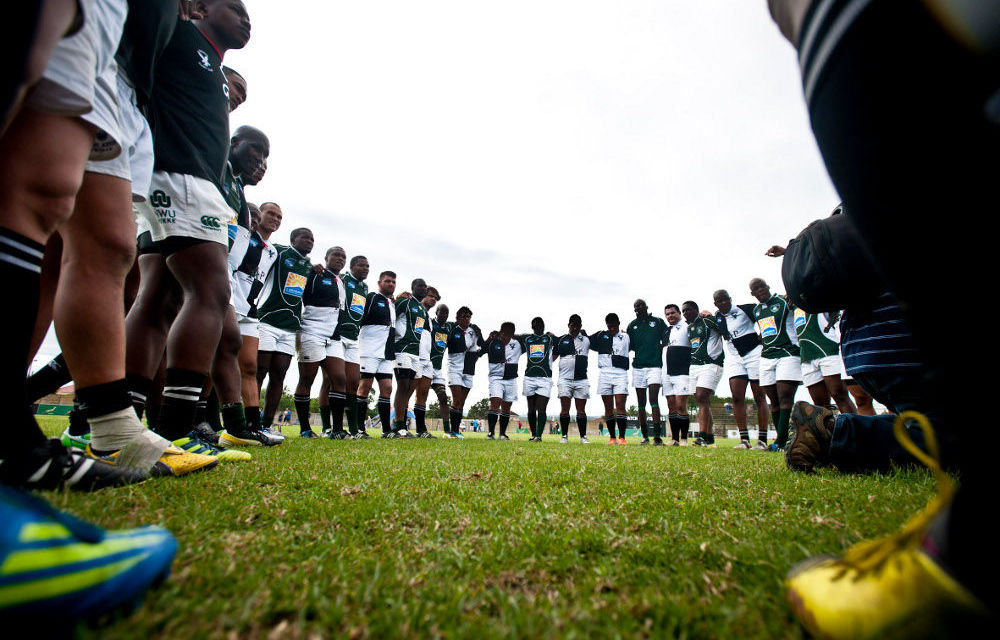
point(473, 538)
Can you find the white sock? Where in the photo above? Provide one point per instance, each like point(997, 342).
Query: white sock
point(122, 430)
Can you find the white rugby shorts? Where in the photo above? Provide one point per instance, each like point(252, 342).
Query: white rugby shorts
point(249, 327)
point(79, 78)
point(375, 366)
point(188, 207)
point(275, 339)
point(788, 369)
point(135, 162)
point(352, 352)
point(612, 383)
point(438, 376)
point(705, 376)
point(408, 361)
point(747, 365)
point(642, 378)
point(574, 389)
point(506, 390)
point(677, 385)
point(314, 348)
point(537, 386)
point(458, 379)
point(815, 371)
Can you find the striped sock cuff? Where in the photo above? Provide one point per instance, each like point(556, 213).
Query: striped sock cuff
point(21, 252)
point(336, 395)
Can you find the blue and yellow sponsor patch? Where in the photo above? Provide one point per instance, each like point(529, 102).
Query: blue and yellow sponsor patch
point(695, 343)
point(536, 352)
point(295, 285)
point(441, 339)
point(418, 326)
point(357, 303)
point(800, 318)
point(768, 329)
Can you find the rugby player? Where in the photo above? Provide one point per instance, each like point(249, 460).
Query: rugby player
point(377, 340)
point(573, 385)
point(742, 363)
point(426, 366)
point(645, 336)
point(319, 344)
point(780, 365)
point(502, 351)
point(411, 322)
point(356, 292)
point(465, 341)
point(439, 343)
point(537, 375)
point(280, 316)
point(612, 347)
point(676, 374)
point(706, 368)
point(819, 347)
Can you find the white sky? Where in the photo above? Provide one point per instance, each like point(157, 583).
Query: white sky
point(536, 158)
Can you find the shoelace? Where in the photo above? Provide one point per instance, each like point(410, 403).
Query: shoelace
point(872, 555)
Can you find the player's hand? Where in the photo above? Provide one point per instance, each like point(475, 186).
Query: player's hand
point(187, 10)
point(775, 251)
point(477, 330)
point(406, 295)
point(704, 313)
point(494, 335)
point(318, 268)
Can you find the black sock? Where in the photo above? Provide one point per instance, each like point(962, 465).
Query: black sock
point(581, 423)
point(302, 412)
point(644, 429)
point(337, 403)
point(200, 411)
point(350, 409)
point(708, 436)
point(564, 423)
point(443, 411)
point(138, 390)
point(491, 421)
point(78, 425)
point(48, 379)
point(324, 416)
point(20, 279)
point(504, 421)
point(101, 399)
point(181, 392)
point(362, 413)
point(675, 427)
point(783, 417)
point(685, 422)
point(420, 417)
point(622, 425)
point(252, 415)
point(234, 419)
point(658, 430)
point(532, 415)
point(744, 434)
point(384, 413)
point(212, 411)
point(541, 418)
point(456, 419)
point(775, 418)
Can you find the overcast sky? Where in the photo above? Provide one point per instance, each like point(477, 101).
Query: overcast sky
point(536, 158)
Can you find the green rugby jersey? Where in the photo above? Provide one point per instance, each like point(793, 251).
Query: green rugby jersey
point(539, 351)
point(439, 342)
point(355, 293)
point(706, 342)
point(411, 320)
point(282, 302)
point(814, 331)
point(777, 331)
point(645, 336)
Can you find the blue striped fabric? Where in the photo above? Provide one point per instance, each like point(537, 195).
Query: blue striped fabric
point(878, 339)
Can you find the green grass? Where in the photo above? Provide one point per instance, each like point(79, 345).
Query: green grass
point(472, 538)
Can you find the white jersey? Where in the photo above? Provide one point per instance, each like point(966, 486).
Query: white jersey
point(567, 363)
point(377, 339)
point(322, 301)
point(250, 261)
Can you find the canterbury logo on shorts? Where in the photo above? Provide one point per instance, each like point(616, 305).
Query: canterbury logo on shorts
point(210, 222)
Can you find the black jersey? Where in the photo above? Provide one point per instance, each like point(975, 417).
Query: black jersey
point(148, 28)
point(189, 109)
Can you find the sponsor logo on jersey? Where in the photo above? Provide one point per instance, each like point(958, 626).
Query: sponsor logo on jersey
point(210, 222)
point(203, 60)
point(328, 282)
point(536, 352)
point(768, 329)
point(381, 304)
point(289, 262)
point(418, 326)
point(695, 343)
point(774, 309)
point(350, 285)
point(159, 199)
point(440, 339)
point(800, 318)
point(652, 324)
point(295, 284)
point(357, 303)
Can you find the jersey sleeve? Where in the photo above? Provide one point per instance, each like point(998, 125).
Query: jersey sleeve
point(368, 304)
